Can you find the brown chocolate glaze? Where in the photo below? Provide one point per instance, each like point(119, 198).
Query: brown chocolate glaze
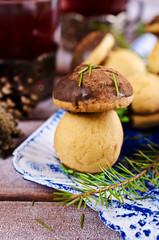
point(98, 86)
point(86, 46)
point(69, 91)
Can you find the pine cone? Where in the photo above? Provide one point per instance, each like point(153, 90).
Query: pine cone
point(8, 132)
point(15, 99)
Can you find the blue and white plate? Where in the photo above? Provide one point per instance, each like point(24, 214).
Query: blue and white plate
point(36, 159)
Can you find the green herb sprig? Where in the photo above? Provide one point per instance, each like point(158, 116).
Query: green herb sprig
point(43, 224)
point(82, 220)
point(116, 85)
point(117, 182)
point(89, 68)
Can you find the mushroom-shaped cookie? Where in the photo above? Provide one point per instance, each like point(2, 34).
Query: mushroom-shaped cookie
point(92, 89)
point(90, 135)
point(94, 48)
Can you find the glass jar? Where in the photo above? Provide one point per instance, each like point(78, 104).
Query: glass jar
point(27, 46)
point(79, 17)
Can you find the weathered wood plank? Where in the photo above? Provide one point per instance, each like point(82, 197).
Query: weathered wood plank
point(13, 187)
point(18, 222)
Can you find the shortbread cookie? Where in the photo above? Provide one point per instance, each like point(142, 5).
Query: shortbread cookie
point(101, 90)
point(146, 93)
point(86, 141)
point(145, 121)
point(125, 61)
point(94, 48)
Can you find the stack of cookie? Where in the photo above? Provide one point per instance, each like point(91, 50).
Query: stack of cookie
point(90, 134)
point(100, 48)
point(145, 106)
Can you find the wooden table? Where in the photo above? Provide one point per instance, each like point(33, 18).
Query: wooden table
point(17, 221)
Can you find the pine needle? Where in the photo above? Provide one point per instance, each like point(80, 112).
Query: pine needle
point(82, 220)
point(119, 182)
point(80, 81)
point(116, 85)
point(43, 224)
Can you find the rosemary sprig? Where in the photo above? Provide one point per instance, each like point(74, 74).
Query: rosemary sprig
point(43, 224)
point(116, 85)
point(89, 68)
point(82, 220)
point(81, 77)
point(116, 182)
point(84, 69)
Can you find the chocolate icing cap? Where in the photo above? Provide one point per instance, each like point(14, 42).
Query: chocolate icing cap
point(96, 88)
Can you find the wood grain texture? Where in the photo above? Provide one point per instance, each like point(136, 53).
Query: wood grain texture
point(14, 187)
point(18, 222)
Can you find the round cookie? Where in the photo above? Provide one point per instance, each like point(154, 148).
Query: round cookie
point(153, 60)
point(125, 61)
point(94, 48)
point(146, 93)
point(88, 140)
point(145, 121)
point(96, 93)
